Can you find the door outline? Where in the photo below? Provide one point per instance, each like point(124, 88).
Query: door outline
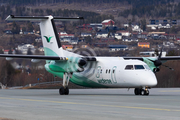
point(113, 74)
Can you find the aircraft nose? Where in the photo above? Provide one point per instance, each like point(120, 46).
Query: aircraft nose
point(148, 79)
point(152, 80)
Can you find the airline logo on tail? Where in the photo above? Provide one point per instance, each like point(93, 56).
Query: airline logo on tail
point(48, 38)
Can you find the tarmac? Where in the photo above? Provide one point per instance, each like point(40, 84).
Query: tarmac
point(89, 104)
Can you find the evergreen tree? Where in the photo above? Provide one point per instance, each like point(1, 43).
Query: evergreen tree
point(88, 39)
point(30, 27)
point(143, 24)
point(16, 28)
point(1, 51)
point(10, 51)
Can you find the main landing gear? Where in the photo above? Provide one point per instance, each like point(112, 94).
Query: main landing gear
point(141, 91)
point(64, 90)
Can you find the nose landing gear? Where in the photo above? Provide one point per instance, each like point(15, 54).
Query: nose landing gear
point(141, 91)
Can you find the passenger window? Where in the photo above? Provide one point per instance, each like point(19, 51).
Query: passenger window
point(113, 71)
point(106, 71)
point(129, 67)
point(109, 71)
point(139, 67)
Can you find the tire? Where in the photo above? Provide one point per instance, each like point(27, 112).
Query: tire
point(137, 91)
point(61, 91)
point(66, 91)
point(147, 92)
point(142, 92)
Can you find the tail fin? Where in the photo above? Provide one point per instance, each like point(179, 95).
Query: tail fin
point(50, 38)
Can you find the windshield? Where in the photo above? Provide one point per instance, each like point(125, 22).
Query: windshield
point(129, 67)
point(138, 67)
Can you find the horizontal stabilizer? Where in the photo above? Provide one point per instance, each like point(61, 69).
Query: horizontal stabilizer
point(25, 18)
point(40, 18)
point(68, 19)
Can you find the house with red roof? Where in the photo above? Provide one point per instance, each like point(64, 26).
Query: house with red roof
point(108, 22)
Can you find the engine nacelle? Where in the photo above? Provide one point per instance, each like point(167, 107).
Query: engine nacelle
point(71, 65)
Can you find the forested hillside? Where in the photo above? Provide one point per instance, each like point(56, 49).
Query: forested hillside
point(23, 11)
point(135, 3)
point(114, 9)
point(165, 10)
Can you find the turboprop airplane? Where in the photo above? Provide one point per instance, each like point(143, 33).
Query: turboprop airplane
point(91, 71)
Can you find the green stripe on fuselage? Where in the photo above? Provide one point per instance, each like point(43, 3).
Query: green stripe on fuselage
point(77, 79)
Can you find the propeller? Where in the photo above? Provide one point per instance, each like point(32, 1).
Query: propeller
point(87, 61)
point(158, 62)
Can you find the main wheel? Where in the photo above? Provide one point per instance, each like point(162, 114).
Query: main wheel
point(137, 91)
point(61, 91)
point(66, 91)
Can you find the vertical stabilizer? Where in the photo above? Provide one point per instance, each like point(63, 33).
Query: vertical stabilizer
point(50, 38)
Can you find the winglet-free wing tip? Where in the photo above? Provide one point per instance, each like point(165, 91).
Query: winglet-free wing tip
point(9, 17)
point(81, 17)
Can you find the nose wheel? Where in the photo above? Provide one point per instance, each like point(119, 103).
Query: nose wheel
point(144, 92)
point(141, 91)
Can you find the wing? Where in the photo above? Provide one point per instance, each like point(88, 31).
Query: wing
point(170, 58)
point(162, 58)
point(41, 57)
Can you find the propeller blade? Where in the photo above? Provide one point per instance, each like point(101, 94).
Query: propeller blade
point(168, 67)
point(159, 57)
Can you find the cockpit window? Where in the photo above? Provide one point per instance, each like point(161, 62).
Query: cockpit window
point(139, 67)
point(129, 67)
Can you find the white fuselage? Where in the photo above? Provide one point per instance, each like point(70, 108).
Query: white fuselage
point(117, 72)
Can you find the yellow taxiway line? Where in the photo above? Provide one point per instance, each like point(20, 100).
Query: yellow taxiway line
point(100, 105)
